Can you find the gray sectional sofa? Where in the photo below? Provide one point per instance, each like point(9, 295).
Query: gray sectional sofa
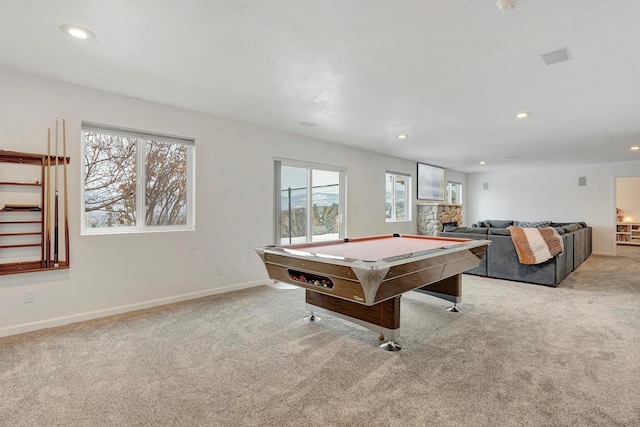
point(501, 260)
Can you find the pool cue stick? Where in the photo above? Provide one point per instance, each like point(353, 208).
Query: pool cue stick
point(289, 196)
point(56, 264)
point(42, 201)
point(48, 202)
point(66, 203)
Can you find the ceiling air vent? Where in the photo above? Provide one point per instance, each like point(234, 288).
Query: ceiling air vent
point(556, 56)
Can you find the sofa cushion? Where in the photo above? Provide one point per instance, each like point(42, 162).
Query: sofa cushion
point(499, 223)
point(562, 224)
point(571, 227)
point(500, 232)
point(532, 224)
point(503, 263)
point(484, 223)
point(470, 230)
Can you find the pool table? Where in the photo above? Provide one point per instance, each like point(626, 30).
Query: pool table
point(362, 279)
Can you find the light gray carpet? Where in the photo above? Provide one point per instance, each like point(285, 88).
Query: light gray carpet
point(517, 355)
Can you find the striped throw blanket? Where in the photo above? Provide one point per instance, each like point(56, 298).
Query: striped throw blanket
point(536, 245)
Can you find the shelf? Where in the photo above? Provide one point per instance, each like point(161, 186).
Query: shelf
point(28, 267)
point(29, 158)
point(24, 245)
point(30, 213)
point(27, 184)
point(619, 242)
point(19, 222)
point(628, 233)
point(23, 217)
point(21, 158)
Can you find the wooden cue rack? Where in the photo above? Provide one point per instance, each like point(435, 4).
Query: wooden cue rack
point(23, 226)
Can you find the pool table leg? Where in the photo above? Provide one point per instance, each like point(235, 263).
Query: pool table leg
point(391, 346)
point(311, 318)
point(449, 289)
point(383, 317)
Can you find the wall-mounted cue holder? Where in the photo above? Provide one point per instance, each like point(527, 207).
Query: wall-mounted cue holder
point(34, 236)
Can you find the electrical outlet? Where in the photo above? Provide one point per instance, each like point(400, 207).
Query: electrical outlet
point(29, 296)
point(219, 270)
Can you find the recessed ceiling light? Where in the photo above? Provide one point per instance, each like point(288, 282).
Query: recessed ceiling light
point(483, 162)
point(506, 5)
point(557, 56)
point(522, 115)
point(77, 32)
point(403, 136)
point(635, 148)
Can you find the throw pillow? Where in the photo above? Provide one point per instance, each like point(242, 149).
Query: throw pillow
point(532, 224)
point(571, 227)
point(497, 223)
point(560, 230)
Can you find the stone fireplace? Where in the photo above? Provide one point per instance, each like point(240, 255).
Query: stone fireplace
point(432, 216)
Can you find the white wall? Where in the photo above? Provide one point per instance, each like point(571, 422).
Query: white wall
point(234, 205)
point(628, 197)
point(552, 194)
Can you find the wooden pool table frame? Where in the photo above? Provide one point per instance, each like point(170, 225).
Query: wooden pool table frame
point(368, 292)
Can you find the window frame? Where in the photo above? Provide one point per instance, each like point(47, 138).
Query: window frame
point(448, 192)
point(310, 166)
point(408, 192)
point(141, 137)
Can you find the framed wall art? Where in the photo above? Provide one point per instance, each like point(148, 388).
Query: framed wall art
point(431, 182)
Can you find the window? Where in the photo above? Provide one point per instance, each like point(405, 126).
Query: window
point(454, 193)
point(135, 181)
point(310, 202)
point(398, 202)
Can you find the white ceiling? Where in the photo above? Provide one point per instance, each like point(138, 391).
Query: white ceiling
point(450, 73)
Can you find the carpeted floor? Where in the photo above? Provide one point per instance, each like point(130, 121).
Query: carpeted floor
point(516, 355)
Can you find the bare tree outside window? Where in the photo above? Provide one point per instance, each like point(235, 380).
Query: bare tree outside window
point(110, 180)
point(166, 179)
point(113, 198)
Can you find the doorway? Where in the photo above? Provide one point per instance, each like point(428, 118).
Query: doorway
point(310, 202)
point(627, 215)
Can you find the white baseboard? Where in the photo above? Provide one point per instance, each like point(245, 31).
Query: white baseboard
point(602, 253)
point(80, 317)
